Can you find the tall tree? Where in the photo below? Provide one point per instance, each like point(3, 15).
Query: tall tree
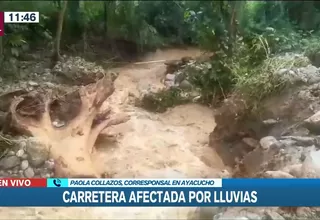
point(56, 53)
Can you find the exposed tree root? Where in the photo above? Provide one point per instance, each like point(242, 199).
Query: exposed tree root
point(72, 144)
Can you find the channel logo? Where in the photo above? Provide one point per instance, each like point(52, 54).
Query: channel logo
point(57, 183)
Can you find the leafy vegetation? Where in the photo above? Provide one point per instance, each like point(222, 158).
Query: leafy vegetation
point(243, 35)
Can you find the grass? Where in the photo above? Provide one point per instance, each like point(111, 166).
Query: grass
point(262, 81)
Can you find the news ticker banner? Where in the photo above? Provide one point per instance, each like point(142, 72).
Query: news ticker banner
point(159, 192)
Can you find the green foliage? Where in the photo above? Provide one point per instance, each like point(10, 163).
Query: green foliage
point(242, 34)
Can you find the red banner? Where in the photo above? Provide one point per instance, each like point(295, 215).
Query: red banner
point(23, 182)
point(1, 23)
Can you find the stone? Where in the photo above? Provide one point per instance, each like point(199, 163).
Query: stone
point(170, 77)
point(24, 156)
point(37, 171)
point(29, 173)
point(20, 172)
point(294, 170)
point(11, 153)
point(272, 215)
point(58, 123)
point(37, 153)
point(311, 165)
point(269, 142)
point(20, 153)
point(253, 143)
point(270, 122)
point(313, 123)
point(15, 170)
point(186, 85)
point(179, 77)
point(224, 174)
point(304, 212)
point(9, 162)
point(301, 141)
point(44, 173)
point(169, 83)
point(22, 144)
point(49, 84)
point(32, 83)
point(24, 165)
point(277, 174)
point(49, 164)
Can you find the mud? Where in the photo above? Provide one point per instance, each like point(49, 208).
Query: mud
point(172, 144)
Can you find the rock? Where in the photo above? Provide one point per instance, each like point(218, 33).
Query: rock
point(20, 173)
point(37, 153)
point(49, 164)
point(37, 171)
point(20, 153)
point(304, 141)
point(294, 170)
point(170, 77)
point(24, 165)
point(224, 174)
point(304, 212)
point(313, 123)
point(29, 173)
point(269, 142)
point(309, 74)
point(44, 173)
point(253, 143)
point(169, 83)
point(277, 174)
point(49, 84)
point(180, 76)
point(32, 83)
point(186, 85)
point(9, 162)
point(58, 123)
point(311, 165)
point(272, 215)
point(11, 153)
point(22, 144)
point(24, 156)
point(270, 122)
point(15, 170)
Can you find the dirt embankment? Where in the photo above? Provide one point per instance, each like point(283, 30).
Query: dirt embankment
point(280, 140)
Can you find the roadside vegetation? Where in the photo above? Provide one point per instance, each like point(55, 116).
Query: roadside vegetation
point(245, 37)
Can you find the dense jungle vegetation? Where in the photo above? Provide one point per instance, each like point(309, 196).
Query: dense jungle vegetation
point(242, 34)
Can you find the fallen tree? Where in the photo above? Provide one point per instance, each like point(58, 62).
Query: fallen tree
point(72, 144)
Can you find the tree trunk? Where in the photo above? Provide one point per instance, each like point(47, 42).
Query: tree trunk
point(105, 22)
point(71, 145)
point(56, 54)
point(1, 51)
